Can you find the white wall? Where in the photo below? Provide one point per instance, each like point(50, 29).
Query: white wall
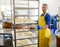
point(2, 2)
point(52, 6)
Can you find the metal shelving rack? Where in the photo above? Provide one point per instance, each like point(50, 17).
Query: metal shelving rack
point(28, 8)
point(6, 12)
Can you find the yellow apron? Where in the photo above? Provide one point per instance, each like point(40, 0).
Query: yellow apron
point(44, 34)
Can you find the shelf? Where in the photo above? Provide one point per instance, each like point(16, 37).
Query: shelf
point(24, 15)
point(6, 29)
point(24, 8)
point(29, 0)
point(5, 33)
point(25, 23)
point(7, 16)
point(17, 31)
point(21, 30)
point(17, 15)
point(27, 38)
point(27, 45)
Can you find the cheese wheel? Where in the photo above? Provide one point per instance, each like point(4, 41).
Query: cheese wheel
point(23, 42)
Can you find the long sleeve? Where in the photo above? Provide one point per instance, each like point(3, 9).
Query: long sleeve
point(48, 19)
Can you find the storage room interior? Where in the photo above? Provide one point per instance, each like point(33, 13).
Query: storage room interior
point(19, 20)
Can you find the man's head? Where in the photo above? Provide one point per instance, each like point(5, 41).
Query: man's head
point(44, 8)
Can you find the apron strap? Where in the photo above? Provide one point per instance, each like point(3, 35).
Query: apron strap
point(45, 14)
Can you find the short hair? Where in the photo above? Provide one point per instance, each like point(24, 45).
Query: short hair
point(44, 4)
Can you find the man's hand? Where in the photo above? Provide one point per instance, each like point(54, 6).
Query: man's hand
point(46, 26)
point(39, 27)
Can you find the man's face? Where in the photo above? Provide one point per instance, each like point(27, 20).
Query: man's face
point(44, 9)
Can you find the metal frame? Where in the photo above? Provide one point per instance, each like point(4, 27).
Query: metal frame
point(38, 20)
point(14, 22)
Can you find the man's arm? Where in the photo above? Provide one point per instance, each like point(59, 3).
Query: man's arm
point(48, 19)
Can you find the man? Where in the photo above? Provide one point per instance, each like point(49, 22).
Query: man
point(43, 27)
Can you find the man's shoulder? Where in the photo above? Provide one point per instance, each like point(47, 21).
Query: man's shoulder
point(48, 14)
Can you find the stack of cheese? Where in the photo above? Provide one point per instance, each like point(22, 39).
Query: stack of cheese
point(25, 34)
point(20, 35)
point(21, 20)
point(34, 40)
point(23, 42)
point(33, 27)
point(29, 34)
point(26, 19)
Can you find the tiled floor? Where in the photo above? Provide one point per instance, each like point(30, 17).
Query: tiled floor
point(53, 41)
